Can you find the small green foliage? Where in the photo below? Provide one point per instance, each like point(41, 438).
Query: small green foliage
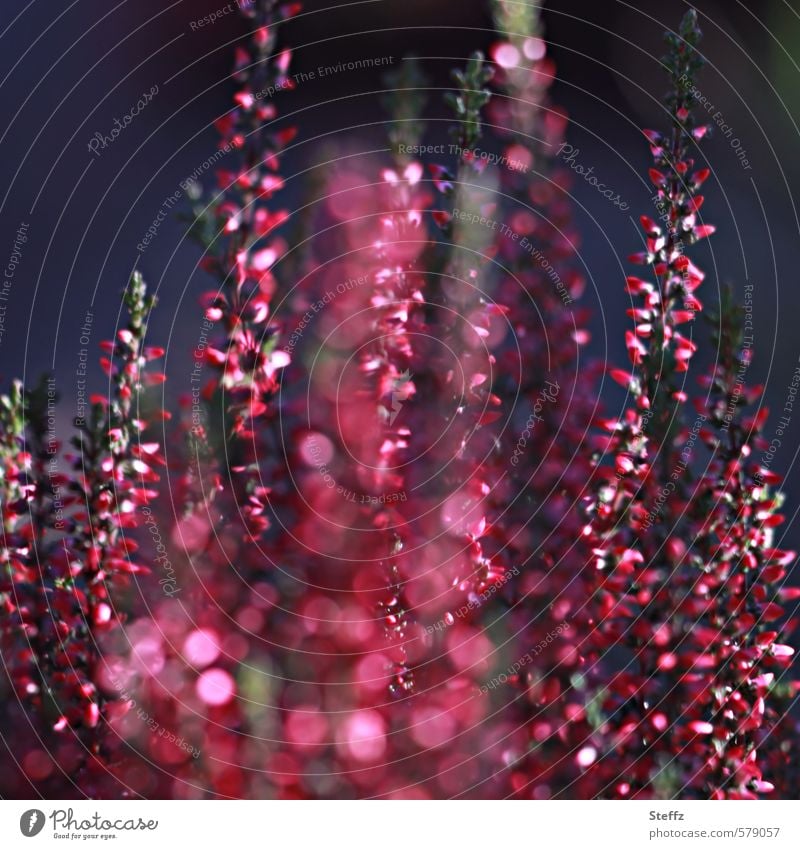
point(517, 21)
point(405, 101)
point(470, 97)
point(683, 62)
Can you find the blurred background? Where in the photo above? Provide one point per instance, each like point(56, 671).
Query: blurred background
point(69, 70)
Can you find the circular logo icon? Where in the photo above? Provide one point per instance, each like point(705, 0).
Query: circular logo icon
point(31, 822)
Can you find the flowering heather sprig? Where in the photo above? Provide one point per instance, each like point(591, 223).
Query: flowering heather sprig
point(542, 380)
point(64, 551)
point(378, 325)
point(378, 415)
point(114, 475)
point(397, 302)
point(736, 653)
point(228, 459)
point(46, 638)
point(640, 498)
point(238, 231)
point(18, 589)
point(657, 350)
point(114, 467)
point(463, 371)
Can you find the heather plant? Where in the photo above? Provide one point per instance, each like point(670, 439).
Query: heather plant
point(66, 557)
point(546, 382)
point(384, 543)
point(684, 568)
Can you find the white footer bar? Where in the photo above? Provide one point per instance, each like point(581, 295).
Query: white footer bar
point(402, 825)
